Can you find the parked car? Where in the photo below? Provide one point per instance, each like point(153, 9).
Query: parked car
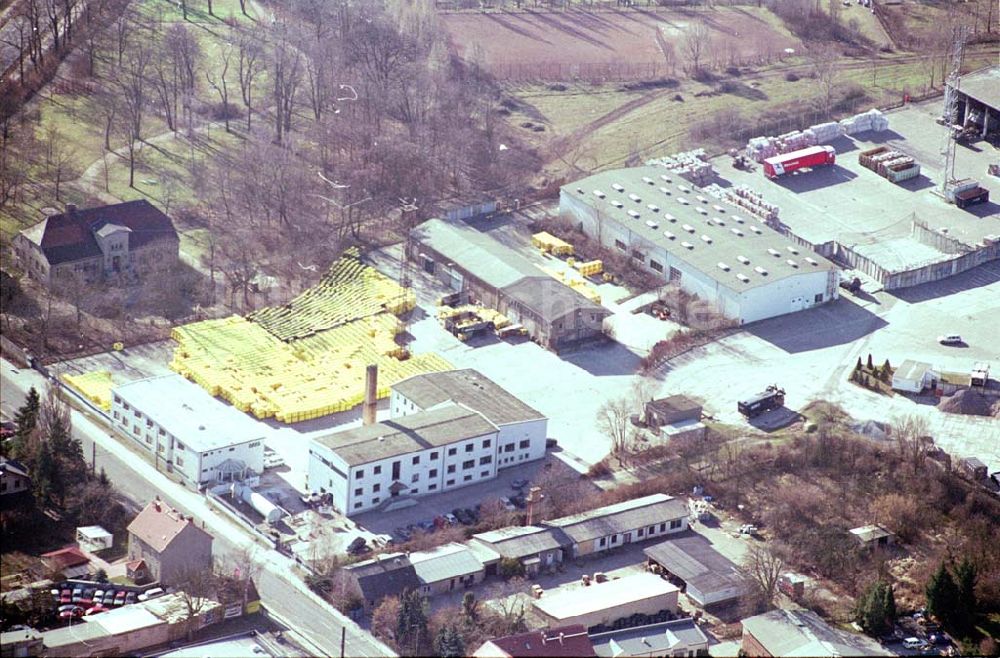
point(88, 596)
point(451, 519)
point(109, 598)
point(427, 526)
point(76, 611)
point(99, 595)
point(914, 643)
point(950, 339)
point(68, 606)
point(151, 594)
point(120, 597)
point(402, 533)
point(507, 504)
point(440, 522)
point(94, 610)
point(357, 546)
point(65, 596)
point(518, 484)
point(130, 597)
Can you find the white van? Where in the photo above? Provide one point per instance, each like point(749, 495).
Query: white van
point(151, 594)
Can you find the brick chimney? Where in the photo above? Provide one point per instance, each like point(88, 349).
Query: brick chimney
point(370, 405)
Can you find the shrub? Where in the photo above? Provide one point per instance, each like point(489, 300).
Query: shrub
point(510, 568)
point(791, 77)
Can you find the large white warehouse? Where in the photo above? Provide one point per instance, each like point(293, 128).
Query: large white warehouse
point(748, 270)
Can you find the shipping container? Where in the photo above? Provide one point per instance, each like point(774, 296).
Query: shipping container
point(814, 156)
point(865, 157)
point(899, 173)
point(971, 197)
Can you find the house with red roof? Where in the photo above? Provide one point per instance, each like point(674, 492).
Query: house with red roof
point(131, 238)
point(167, 544)
point(565, 641)
point(68, 562)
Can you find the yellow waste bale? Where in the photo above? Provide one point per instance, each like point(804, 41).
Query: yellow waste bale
point(95, 386)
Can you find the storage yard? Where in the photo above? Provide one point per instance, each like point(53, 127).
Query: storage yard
point(886, 218)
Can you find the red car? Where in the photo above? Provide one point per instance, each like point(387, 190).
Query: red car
point(76, 611)
point(65, 596)
point(97, 609)
point(120, 597)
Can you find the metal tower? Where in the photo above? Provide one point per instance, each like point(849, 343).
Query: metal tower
point(957, 51)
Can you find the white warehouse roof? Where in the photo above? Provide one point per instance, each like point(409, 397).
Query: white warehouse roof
point(580, 601)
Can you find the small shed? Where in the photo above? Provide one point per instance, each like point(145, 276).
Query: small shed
point(93, 538)
point(69, 562)
point(671, 410)
point(914, 377)
point(873, 535)
point(974, 468)
point(980, 375)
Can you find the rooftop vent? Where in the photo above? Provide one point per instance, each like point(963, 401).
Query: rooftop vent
point(737, 219)
point(599, 194)
point(702, 211)
point(722, 266)
point(774, 252)
point(616, 203)
point(681, 200)
point(669, 235)
point(634, 197)
point(743, 259)
point(688, 228)
point(811, 261)
point(648, 181)
point(633, 214)
point(792, 250)
point(651, 224)
point(760, 270)
point(743, 277)
point(755, 229)
point(580, 190)
point(684, 188)
point(706, 239)
point(792, 263)
point(718, 208)
point(666, 179)
point(687, 245)
point(702, 199)
point(618, 187)
point(665, 191)
point(669, 217)
point(736, 231)
point(718, 220)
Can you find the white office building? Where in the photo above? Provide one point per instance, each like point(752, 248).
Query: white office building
point(746, 269)
point(188, 431)
point(522, 429)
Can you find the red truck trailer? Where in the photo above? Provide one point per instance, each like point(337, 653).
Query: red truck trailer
point(814, 156)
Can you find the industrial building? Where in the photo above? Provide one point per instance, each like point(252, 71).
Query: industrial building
point(802, 633)
point(602, 603)
point(188, 431)
point(446, 430)
point(472, 262)
point(521, 429)
point(563, 642)
point(677, 231)
point(708, 578)
point(678, 637)
point(979, 100)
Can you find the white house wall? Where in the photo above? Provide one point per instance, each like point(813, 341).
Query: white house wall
point(777, 297)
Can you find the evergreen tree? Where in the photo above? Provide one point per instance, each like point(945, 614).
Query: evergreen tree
point(876, 608)
point(448, 643)
point(43, 474)
point(886, 371)
point(411, 624)
point(859, 366)
point(871, 365)
point(25, 420)
point(68, 454)
point(942, 596)
point(470, 607)
point(965, 581)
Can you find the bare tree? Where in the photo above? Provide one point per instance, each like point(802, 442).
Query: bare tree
point(194, 585)
point(824, 63)
point(613, 420)
point(131, 82)
point(695, 43)
point(911, 433)
point(220, 84)
point(762, 569)
point(250, 65)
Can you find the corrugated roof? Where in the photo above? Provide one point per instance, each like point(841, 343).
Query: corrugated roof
point(551, 299)
point(70, 236)
point(621, 517)
point(691, 558)
point(869, 533)
point(386, 575)
point(406, 434)
point(523, 541)
point(444, 562)
point(653, 639)
point(719, 240)
point(983, 85)
point(470, 388)
point(803, 633)
point(158, 525)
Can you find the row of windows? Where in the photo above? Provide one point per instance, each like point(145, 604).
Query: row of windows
point(641, 532)
point(469, 447)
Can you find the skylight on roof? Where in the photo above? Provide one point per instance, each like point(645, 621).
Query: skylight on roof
point(653, 207)
point(702, 210)
point(635, 197)
point(706, 239)
point(669, 235)
point(718, 208)
point(687, 245)
point(722, 266)
point(688, 228)
point(616, 203)
point(736, 231)
point(651, 224)
point(702, 199)
point(743, 259)
point(648, 181)
point(618, 187)
point(811, 261)
point(738, 219)
point(792, 250)
point(718, 220)
point(681, 200)
point(683, 188)
point(774, 252)
point(743, 277)
point(669, 217)
point(792, 263)
point(760, 270)
point(633, 214)
point(599, 194)
point(665, 178)
point(755, 229)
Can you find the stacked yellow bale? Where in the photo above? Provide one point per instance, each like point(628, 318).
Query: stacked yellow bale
point(95, 386)
point(590, 268)
point(586, 290)
point(551, 244)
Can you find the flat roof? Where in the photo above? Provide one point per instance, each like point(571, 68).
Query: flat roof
point(621, 517)
point(189, 413)
point(691, 558)
point(653, 639)
point(470, 388)
point(400, 436)
point(127, 619)
point(870, 532)
point(804, 633)
point(695, 227)
point(912, 370)
point(238, 647)
point(983, 85)
point(578, 600)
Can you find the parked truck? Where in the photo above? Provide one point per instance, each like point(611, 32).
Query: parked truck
point(770, 398)
point(811, 157)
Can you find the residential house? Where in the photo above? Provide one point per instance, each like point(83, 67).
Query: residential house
point(169, 543)
point(191, 433)
point(914, 377)
point(678, 637)
point(802, 633)
point(604, 603)
point(521, 429)
point(705, 575)
point(68, 562)
point(569, 641)
point(871, 536)
point(615, 525)
point(384, 575)
point(132, 238)
point(15, 484)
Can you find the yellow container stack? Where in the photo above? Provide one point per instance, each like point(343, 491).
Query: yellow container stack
point(306, 359)
point(551, 244)
point(590, 268)
point(95, 386)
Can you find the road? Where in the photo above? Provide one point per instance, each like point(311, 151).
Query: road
point(283, 593)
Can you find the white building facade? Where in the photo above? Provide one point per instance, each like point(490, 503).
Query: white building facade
point(188, 431)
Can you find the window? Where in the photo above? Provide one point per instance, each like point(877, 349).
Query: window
point(655, 265)
point(135, 429)
point(467, 478)
point(180, 446)
point(675, 274)
point(603, 542)
point(663, 527)
point(434, 455)
point(451, 468)
point(115, 415)
point(433, 473)
point(637, 255)
point(485, 460)
point(118, 399)
point(162, 431)
point(375, 500)
point(414, 491)
point(651, 529)
point(149, 422)
point(468, 464)
point(416, 460)
point(620, 244)
point(179, 460)
point(449, 483)
point(486, 443)
point(676, 523)
point(376, 488)
point(377, 470)
point(818, 298)
point(415, 477)
point(484, 474)
point(524, 444)
point(642, 532)
point(358, 474)
point(433, 487)
point(137, 414)
point(469, 447)
point(358, 491)
point(357, 505)
point(125, 406)
point(509, 447)
point(614, 539)
point(452, 452)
